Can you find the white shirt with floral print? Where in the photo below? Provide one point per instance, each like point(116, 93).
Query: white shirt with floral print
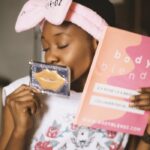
point(55, 129)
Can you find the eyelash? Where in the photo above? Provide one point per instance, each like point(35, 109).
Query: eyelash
point(60, 47)
point(45, 49)
point(63, 46)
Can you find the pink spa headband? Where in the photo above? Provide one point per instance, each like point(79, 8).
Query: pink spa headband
point(56, 12)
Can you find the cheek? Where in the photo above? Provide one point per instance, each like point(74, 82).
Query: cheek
point(79, 62)
point(81, 67)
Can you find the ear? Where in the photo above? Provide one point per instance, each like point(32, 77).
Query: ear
point(94, 44)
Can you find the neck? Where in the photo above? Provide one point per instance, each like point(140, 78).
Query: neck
point(78, 84)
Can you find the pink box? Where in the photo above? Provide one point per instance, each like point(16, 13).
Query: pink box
point(120, 67)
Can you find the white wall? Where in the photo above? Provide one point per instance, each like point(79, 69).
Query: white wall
point(15, 49)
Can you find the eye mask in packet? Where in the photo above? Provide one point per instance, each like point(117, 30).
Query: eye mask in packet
point(50, 79)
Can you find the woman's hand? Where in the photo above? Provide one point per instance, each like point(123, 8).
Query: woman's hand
point(142, 101)
point(23, 104)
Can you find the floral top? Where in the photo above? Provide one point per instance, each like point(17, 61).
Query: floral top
point(55, 129)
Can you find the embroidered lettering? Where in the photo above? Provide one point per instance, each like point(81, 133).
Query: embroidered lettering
point(55, 3)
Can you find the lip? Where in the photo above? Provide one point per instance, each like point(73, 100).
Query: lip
point(49, 80)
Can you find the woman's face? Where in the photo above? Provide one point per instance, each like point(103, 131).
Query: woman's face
point(68, 45)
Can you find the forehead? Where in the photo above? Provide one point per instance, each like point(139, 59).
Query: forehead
point(66, 28)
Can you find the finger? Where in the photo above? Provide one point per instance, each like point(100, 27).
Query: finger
point(35, 90)
point(146, 108)
point(141, 103)
point(23, 93)
point(12, 106)
point(145, 90)
point(26, 107)
point(22, 87)
point(27, 98)
point(30, 97)
point(140, 97)
point(23, 96)
point(19, 89)
point(37, 100)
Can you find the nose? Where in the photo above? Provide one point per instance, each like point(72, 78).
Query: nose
point(52, 58)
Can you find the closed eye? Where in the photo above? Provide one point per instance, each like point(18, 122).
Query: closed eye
point(63, 46)
point(45, 49)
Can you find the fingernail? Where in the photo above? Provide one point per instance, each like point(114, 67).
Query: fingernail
point(131, 104)
point(32, 111)
point(132, 98)
point(24, 110)
point(139, 90)
point(32, 94)
point(41, 105)
point(35, 90)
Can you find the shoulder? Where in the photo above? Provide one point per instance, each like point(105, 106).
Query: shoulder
point(13, 86)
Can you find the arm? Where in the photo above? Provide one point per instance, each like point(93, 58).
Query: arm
point(136, 143)
point(7, 127)
point(142, 144)
point(132, 142)
point(19, 139)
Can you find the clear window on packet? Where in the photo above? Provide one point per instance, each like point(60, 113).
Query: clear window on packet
point(50, 79)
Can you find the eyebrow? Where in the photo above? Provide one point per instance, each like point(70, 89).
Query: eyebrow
point(43, 38)
point(57, 34)
point(60, 33)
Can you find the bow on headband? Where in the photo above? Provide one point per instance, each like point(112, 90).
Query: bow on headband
point(56, 11)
